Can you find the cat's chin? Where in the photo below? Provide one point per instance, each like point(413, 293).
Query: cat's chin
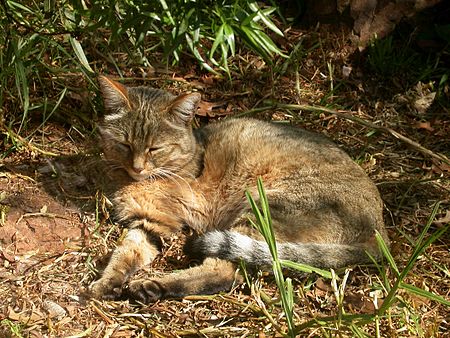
point(137, 177)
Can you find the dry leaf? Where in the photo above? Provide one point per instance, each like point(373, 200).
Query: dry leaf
point(206, 109)
point(25, 317)
point(359, 303)
point(424, 125)
point(8, 257)
point(54, 310)
point(440, 167)
point(320, 284)
point(445, 219)
point(346, 70)
point(424, 102)
point(208, 79)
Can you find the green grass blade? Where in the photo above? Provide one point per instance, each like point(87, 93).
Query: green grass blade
point(428, 225)
point(386, 252)
point(229, 37)
point(264, 225)
point(270, 45)
point(79, 52)
point(424, 293)
point(167, 11)
point(61, 97)
point(23, 90)
point(265, 205)
point(254, 207)
point(421, 245)
point(260, 14)
point(358, 332)
point(20, 6)
point(218, 40)
point(256, 36)
point(306, 268)
point(248, 35)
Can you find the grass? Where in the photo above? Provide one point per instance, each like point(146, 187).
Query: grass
point(48, 108)
point(264, 225)
point(46, 46)
point(11, 327)
point(394, 57)
point(341, 321)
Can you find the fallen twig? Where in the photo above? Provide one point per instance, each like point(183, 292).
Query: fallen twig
point(25, 142)
point(41, 214)
point(348, 115)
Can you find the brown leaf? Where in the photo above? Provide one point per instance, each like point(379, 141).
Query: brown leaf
point(359, 303)
point(424, 125)
point(423, 103)
point(208, 79)
point(320, 284)
point(444, 219)
point(206, 109)
point(24, 316)
point(440, 167)
point(7, 256)
point(54, 309)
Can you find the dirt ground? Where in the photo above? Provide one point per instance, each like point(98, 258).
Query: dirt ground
point(55, 227)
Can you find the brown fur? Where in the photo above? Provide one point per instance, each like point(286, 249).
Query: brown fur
point(325, 209)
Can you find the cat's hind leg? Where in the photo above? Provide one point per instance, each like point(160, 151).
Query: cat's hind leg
point(212, 276)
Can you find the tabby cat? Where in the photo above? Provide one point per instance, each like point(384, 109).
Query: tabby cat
point(325, 209)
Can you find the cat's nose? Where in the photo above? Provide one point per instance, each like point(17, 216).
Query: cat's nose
point(137, 170)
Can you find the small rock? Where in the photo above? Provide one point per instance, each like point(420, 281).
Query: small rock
point(54, 310)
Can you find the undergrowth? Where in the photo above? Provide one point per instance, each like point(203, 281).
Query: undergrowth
point(52, 50)
point(48, 48)
point(392, 279)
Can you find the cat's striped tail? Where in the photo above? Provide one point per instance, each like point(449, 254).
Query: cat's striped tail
point(233, 246)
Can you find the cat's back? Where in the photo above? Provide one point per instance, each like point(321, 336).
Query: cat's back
point(310, 180)
point(253, 141)
point(238, 151)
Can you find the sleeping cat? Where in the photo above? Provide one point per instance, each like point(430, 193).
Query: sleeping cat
point(325, 209)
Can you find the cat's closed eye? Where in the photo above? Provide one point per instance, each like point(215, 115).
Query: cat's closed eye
point(123, 147)
point(151, 150)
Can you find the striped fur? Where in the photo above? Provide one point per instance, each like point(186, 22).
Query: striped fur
point(325, 210)
point(233, 246)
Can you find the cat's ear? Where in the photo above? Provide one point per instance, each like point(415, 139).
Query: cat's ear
point(115, 94)
point(185, 106)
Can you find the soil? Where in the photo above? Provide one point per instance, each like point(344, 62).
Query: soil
point(36, 222)
point(55, 223)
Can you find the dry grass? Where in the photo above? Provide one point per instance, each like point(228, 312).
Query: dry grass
point(42, 291)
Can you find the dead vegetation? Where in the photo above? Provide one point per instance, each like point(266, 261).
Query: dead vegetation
point(54, 224)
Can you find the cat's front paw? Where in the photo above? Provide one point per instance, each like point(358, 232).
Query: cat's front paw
point(144, 291)
point(105, 289)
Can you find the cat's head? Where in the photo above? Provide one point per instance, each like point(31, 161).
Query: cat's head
point(147, 131)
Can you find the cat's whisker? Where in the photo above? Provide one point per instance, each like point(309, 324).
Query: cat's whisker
point(113, 163)
point(165, 174)
point(115, 167)
point(185, 181)
point(172, 176)
point(324, 207)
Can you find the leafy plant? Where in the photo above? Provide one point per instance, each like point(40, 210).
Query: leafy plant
point(388, 59)
point(264, 225)
point(354, 323)
point(48, 44)
point(208, 30)
point(10, 328)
